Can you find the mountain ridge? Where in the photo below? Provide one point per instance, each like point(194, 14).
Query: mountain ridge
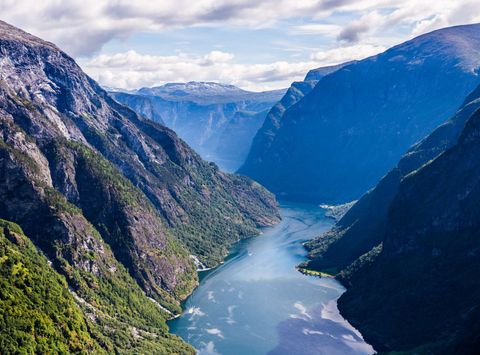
point(426, 260)
point(342, 137)
point(205, 92)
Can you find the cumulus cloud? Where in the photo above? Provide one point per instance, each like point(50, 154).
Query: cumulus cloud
point(349, 29)
point(82, 27)
point(217, 57)
point(132, 70)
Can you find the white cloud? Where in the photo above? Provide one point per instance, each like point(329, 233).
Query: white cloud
point(324, 29)
point(217, 57)
point(82, 27)
point(349, 29)
point(132, 70)
point(346, 53)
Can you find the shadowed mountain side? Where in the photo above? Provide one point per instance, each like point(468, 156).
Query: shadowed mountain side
point(352, 128)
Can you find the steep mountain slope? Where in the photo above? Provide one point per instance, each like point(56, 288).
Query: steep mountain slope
point(363, 226)
point(40, 312)
point(421, 292)
point(265, 136)
point(340, 139)
point(116, 202)
point(201, 112)
point(34, 297)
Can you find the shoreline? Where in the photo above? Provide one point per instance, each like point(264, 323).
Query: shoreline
point(203, 272)
point(315, 273)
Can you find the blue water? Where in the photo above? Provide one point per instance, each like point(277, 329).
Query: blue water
point(258, 303)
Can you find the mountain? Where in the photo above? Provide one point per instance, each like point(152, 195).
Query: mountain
point(121, 207)
point(351, 129)
point(143, 105)
point(203, 113)
point(40, 313)
point(209, 93)
point(264, 138)
point(44, 309)
point(363, 226)
point(418, 290)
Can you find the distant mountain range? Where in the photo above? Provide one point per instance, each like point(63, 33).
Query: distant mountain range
point(219, 121)
point(343, 136)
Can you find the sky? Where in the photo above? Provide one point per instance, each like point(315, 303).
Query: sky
point(254, 44)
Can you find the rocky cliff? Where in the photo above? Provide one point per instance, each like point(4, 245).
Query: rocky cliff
point(116, 202)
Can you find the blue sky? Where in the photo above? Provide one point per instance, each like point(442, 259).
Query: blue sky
point(257, 45)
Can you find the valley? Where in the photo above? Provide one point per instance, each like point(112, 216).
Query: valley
point(174, 213)
point(218, 121)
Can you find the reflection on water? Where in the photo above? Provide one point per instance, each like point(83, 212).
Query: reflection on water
point(257, 303)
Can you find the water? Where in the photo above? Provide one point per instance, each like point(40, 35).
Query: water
point(258, 303)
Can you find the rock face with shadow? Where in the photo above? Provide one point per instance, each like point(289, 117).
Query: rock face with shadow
point(352, 128)
point(411, 273)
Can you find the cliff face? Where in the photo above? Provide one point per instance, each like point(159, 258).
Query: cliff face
point(264, 138)
point(407, 250)
point(352, 128)
point(202, 114)
point(363, 226)
point(116, 202)
point(421, 291)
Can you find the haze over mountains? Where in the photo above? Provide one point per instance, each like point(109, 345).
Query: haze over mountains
point(338, 141)
point(219, 121)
